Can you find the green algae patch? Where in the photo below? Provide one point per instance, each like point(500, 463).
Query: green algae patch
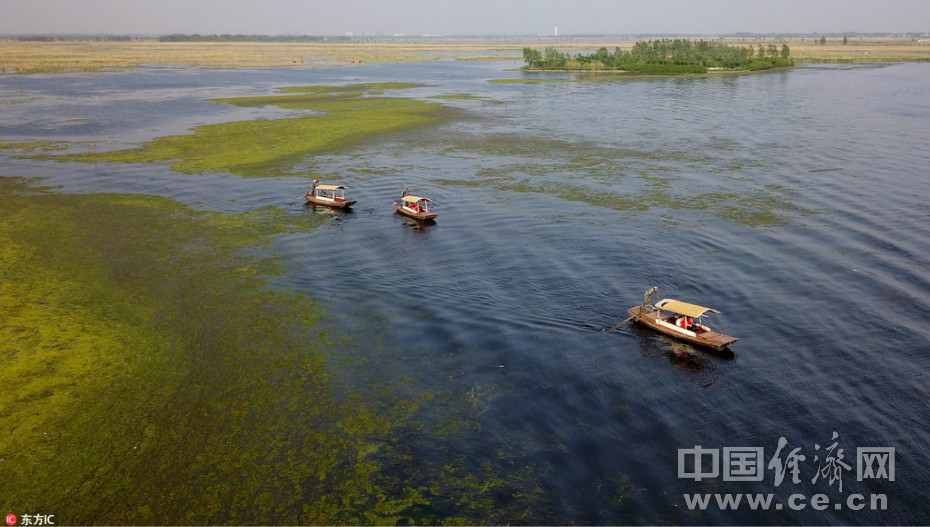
point(151, 375)
point(344, 117)
point(112, 304)
point(33, 146)
point(623, 178)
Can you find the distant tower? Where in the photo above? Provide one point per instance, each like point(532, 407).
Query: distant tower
point(556, 31)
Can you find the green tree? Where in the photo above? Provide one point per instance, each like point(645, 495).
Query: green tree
point(666, 56)
point(532, 57)
point(554, 59)
point(823, 40)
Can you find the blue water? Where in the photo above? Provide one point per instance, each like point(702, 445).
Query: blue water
point(503, 305)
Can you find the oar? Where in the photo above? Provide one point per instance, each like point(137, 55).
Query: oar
point(618, 325)
point(653, 291)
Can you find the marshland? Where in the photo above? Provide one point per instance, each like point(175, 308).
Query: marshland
point(184, 341)
point(19, 56)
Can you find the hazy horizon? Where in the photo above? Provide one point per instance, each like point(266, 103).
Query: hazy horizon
point(475, 18)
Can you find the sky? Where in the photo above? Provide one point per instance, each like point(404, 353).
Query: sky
point(461, 17)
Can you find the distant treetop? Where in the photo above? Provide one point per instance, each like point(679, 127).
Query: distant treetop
point(664, 56)
point(179, 37)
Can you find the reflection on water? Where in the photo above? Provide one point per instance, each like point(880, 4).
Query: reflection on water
point(794, 201)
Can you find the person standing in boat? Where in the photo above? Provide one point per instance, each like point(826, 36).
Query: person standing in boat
point(649, 293)
point(308, 194)
point(405, 193)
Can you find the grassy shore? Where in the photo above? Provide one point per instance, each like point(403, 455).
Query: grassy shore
point(61, 56)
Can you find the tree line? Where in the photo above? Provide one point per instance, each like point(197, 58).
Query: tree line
point(180, 37)
point(62, 38)
point(665, 56)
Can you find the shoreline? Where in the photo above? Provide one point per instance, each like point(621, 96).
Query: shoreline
point(67, 56)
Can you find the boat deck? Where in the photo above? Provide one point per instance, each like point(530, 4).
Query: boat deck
point(337, 202)
point(708, 338)
point(717, 340)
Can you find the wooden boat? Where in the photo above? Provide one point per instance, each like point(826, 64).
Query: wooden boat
point(415, 207)
point(328, 196)
point(680, 320)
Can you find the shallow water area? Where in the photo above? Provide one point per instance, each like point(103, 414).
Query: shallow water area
point(795, 202)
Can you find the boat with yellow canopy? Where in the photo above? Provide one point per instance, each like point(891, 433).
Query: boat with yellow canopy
point(328, 196)
point(415, 207)
point(681, 320)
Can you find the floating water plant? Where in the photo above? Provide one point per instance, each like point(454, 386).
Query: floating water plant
point(349, 115)
point(32, 146)
point(619, 178)
point(152, 376)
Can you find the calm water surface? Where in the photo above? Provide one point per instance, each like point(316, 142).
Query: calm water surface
point(503, 304)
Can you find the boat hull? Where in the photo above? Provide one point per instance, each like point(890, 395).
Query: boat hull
point(415, 215)
point(337, 203)
point(650, 317)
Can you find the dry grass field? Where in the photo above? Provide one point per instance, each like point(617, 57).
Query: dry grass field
point(61, 56)
point(856, 50)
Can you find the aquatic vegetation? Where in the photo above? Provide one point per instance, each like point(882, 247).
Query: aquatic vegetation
point(604, 177)
point(143, 352)
point(16, 97)
point(350, 115)
point(152, 376)
point(113, 306)
point(32, 146)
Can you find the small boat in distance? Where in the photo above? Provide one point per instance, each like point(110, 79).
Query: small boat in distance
point(328, 196)
point(415, 207)
point(680, 320)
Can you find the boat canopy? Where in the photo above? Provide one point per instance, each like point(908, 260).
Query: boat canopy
point(413, 199)
point(331, 187)
point(683, 308)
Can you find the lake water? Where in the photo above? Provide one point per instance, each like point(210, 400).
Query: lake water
point(795, 202)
